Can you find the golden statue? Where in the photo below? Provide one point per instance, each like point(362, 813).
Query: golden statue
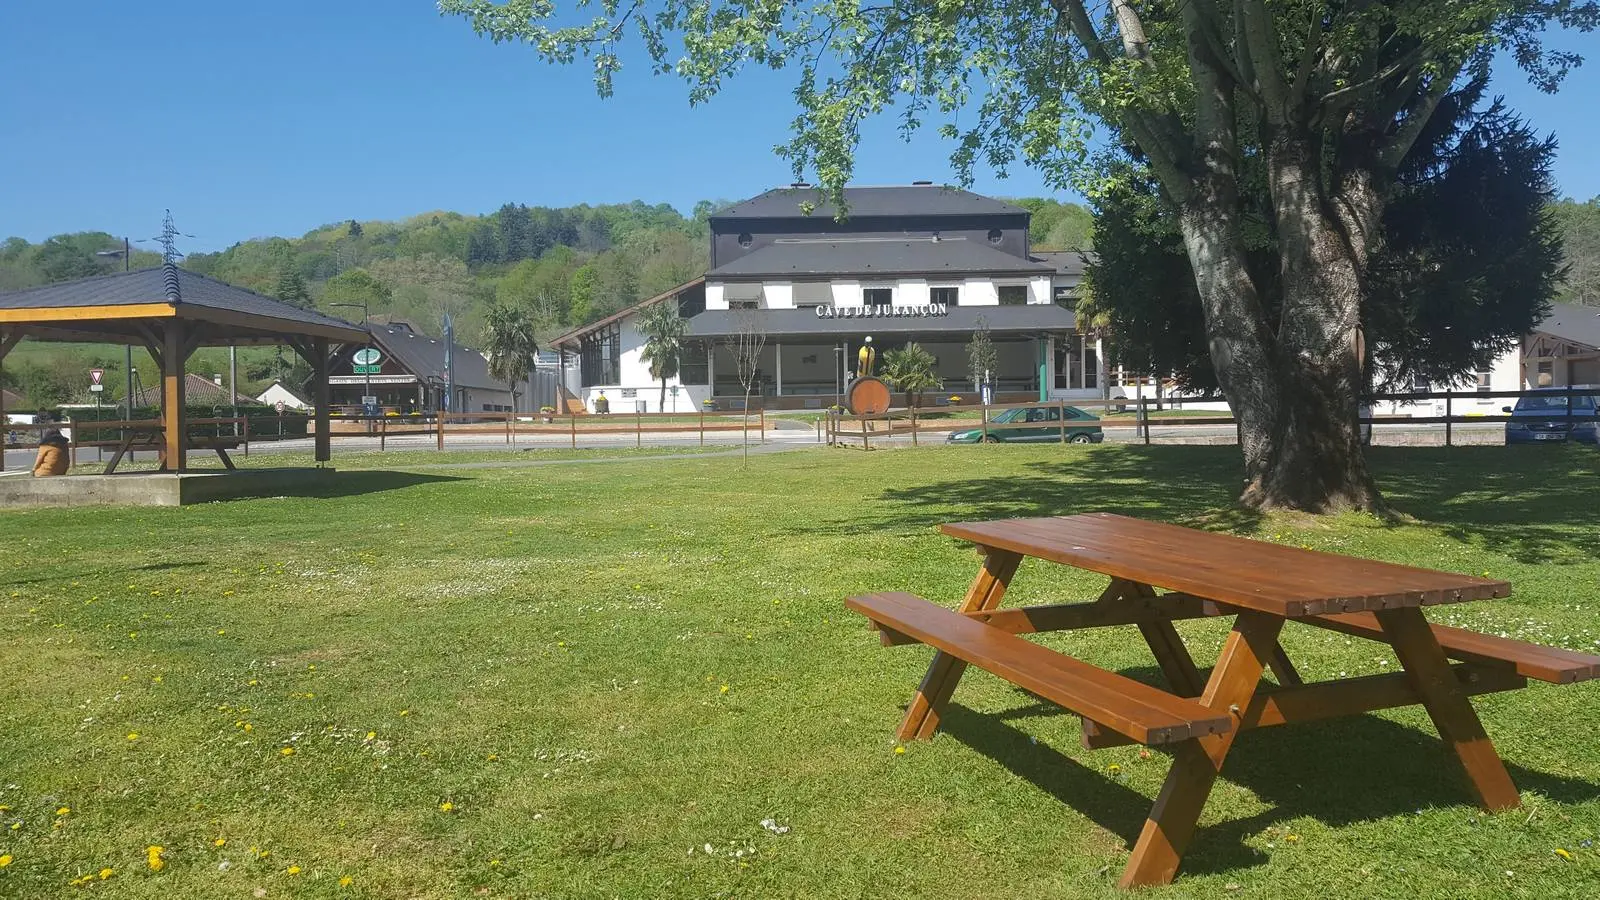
point(865, 359)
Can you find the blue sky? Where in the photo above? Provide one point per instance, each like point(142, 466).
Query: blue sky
point(251, 119)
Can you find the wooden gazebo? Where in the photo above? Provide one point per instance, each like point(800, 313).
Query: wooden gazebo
point(172, 312)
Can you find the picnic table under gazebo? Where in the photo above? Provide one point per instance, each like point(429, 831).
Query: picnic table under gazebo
point(171, 313)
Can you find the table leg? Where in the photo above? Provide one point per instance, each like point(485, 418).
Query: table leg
point(1283, 668)
point(227, 462)
point(1173, 657)
point(1447, 704)
point(944, 673)
point(122, 448)
point(1197, 761)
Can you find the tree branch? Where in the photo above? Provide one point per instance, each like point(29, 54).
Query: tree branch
point(1159, 136)
point(1417, 117)
point(1266, 58)
point(1338, 99)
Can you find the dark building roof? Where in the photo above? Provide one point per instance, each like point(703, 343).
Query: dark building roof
point(867, 256)
point(963, 320)
point(1067, 263)
point(13, 403)
point(862, 202)
point(152, 286)
point(423, 357)
point(198, 390)
point(575, 334)
point(1580, 324)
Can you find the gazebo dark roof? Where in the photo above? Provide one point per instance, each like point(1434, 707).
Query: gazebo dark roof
point(104, 307)
point(171, 312)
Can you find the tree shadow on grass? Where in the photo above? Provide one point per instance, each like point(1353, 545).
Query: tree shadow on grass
point(1533, 504)
point(1187, 485)
point(58, 576)
point(1340, 772)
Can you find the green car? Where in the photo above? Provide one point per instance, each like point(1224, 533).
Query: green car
point(1082, 428)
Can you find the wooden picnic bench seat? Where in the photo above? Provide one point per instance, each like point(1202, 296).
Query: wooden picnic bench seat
point(1552, 664)
point(1145, 714)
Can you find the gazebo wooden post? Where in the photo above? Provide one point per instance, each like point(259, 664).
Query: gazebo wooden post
point(323, 397)
point(174, 409)
point(8, 339)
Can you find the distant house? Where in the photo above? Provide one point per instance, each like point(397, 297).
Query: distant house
point(278, 393)
point(198, 390)
point(15, 408)
point(406, 371)
point(1565, 347)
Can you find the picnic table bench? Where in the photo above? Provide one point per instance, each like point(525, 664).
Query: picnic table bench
point(1262, 586)
point(150, 438)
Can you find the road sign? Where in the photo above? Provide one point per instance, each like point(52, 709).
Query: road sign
point(95, 375)
point(97, 387)
point(369, 401)
point(367, 356)
point(365, 370)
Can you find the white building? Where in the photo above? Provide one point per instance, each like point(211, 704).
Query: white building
point(276, 394)
point(911, 263)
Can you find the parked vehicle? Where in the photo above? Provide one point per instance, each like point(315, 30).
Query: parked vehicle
point(1082, 427)
point(1546, 417)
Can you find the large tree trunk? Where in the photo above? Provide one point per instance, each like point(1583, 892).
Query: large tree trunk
point(1295, 391)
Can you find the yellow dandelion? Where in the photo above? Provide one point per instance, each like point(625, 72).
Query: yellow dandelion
point(724, 689)
point(221, 631)
point(446, 806)
point(1564, 854)
point(107, 873)
point(1291, 838)
point(154, 852)
point(65, 810)
point(253, 682)
point(346, 881)
point(405, 712)
point(293, 870)
point(494, 757)
point(899, 750)
point(372, 736)
point(287, 751)
point(227, 593)
point(249, 728)
point(16, 826)
point(494, 863)
point(219, 842)
point(5, 860)
point(133, 735)
point(1113, 768)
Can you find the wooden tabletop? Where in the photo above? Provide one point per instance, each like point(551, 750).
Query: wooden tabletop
point(1273, 578)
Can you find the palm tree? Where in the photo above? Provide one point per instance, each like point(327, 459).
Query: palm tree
point(911, 369)
point(510, 346)
point(663, 331)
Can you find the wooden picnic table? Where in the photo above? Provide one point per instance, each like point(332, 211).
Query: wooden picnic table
point(149, 437)
point(1262, 586)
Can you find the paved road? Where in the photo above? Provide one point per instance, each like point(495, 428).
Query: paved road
point(793, 434)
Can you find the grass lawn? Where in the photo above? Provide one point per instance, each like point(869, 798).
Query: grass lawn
point(581, 681)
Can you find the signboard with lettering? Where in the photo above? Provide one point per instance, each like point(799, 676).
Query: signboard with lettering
point(367, 356)
point(365, 370)
point(883, 311)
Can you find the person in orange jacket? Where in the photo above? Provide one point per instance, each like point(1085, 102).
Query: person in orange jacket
point(52, 458)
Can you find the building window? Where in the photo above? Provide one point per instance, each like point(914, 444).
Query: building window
point(693, 367)
point(1420, 384)
point(949, 296)
point(600, 355)
point(995, 235)
point(744, 304)
point(1077, 363)
point(1013, 294)
point(877, 296)
point(1485, 377)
